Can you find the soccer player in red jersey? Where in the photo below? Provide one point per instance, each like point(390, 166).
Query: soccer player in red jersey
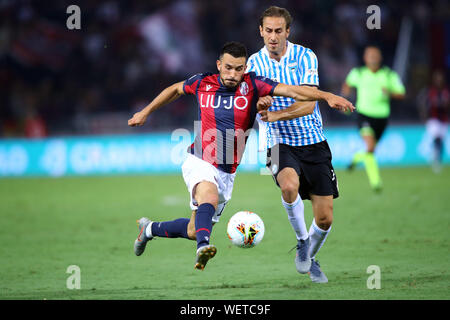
point(228, 104)
point(434, 102)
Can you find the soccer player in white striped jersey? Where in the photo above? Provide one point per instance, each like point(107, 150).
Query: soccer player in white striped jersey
point(298, 154)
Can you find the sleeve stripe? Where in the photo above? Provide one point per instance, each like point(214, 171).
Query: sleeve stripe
point(267, 64)
point(308, 61)
point(259, 65)
point(300, 65)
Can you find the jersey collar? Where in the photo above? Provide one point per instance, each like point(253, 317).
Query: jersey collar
point(222, 86)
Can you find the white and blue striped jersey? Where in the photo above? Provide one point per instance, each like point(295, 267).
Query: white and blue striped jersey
point(298, 66)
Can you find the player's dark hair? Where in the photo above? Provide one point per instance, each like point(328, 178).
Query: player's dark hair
point(275, 11)
point(236, 49)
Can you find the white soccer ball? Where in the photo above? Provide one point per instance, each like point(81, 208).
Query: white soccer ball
point(245, 229)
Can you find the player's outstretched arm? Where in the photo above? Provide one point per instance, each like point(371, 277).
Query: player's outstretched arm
point(165, 97)
point(307, 93)
point(394, 95)
point(296, 110)
point(346, 90)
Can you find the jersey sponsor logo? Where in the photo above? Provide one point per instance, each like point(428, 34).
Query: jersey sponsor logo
point(311, 72)
point(243, 88)
point(207, 101)
point(208, 87)
point(292, 65)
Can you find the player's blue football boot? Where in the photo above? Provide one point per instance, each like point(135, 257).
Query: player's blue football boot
point(203, 255)
point(302, 258)
point(316, 274)
point(142, 239)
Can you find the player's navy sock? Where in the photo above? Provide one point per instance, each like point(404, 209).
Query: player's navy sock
point(203, 223)
point(170, 229)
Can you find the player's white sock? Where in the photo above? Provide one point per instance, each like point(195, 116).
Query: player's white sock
point(317, 237)
point(296, 216)
point(148, 230)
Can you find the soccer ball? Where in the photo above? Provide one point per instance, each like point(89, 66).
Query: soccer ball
point(245, 229)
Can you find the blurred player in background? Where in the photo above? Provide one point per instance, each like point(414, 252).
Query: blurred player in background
point(434, 104)
point(375, 85)
point(298, 154)
point(227, 104)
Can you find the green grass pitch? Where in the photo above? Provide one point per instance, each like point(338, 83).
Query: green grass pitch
point(49, 224)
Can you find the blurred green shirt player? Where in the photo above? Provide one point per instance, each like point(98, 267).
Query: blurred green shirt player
point(375, 85)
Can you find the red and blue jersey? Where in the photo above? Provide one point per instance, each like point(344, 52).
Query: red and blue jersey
point(438, 100)
point(226, 115)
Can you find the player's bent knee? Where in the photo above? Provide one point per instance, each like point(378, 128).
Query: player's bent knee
point(323, 213)
point(325, 222)
point(290, 188)
point(207, 196)
point(371, 144)
point(288, 181)
point(212, 199)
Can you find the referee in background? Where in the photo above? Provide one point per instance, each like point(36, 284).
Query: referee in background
point(375, 85)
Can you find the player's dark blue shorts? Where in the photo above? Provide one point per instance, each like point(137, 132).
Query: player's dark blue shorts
point(312, 164)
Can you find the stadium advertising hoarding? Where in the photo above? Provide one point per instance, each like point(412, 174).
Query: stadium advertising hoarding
point(161, 153)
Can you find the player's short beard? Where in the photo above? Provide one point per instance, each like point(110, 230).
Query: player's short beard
point(228, 86)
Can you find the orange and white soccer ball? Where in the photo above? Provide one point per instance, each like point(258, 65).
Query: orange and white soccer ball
point(245, 229)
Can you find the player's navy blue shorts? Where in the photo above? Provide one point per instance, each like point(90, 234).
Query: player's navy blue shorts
point(376, 125)
point(312, 164)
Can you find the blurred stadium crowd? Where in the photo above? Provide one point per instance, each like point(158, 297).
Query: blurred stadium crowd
point(55, 81)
